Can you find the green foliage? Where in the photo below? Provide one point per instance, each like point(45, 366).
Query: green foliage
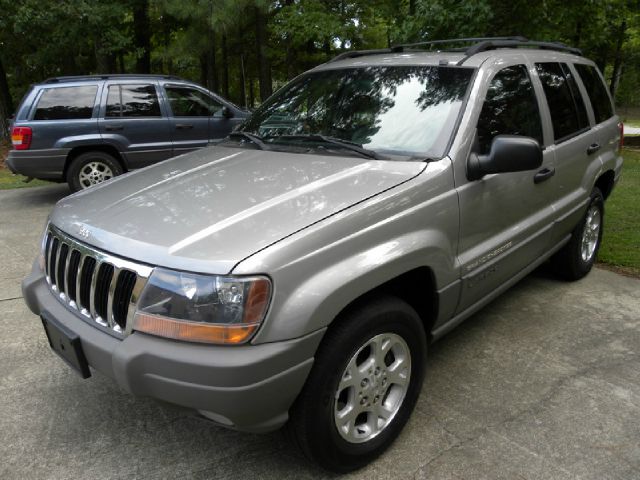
point(210, 41)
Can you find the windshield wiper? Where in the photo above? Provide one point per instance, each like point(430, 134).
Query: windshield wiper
point(255, 139)
point(337, 142)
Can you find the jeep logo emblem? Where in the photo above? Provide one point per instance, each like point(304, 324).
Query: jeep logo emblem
point(84, 232)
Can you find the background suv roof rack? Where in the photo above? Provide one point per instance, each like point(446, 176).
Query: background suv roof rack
point(77, 78)
point(480, 44)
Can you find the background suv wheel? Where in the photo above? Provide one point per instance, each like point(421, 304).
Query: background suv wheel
point(92, 168)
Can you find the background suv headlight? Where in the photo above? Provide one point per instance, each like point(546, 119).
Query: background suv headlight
point(202, 308)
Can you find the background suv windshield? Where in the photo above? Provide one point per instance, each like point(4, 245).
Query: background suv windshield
point(406, 110)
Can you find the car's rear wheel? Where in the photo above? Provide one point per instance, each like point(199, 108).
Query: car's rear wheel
point(363, 386)
point(91, 168)
point(577, 257)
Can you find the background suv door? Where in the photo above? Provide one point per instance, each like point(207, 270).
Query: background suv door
point(191, 116)
point(132, 120)
point(504, 218)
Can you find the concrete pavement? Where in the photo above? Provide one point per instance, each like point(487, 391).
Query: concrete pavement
point(544, 383)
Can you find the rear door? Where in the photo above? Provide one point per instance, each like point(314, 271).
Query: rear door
point(191, 116)
point(572, 140)
point(133, 120)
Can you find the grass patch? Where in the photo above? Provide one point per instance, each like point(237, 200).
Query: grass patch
point(621, 241)
point(9, 180)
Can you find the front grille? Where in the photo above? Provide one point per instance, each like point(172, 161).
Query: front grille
point(100, 287)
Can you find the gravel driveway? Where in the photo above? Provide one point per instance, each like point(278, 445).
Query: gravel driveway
point(544, 383)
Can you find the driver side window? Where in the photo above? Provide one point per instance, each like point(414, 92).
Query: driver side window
point(510, 108)
point(189, 102)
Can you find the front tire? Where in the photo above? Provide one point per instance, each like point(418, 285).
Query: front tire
point(577, 257)
point(92, 168)
point(364, 384)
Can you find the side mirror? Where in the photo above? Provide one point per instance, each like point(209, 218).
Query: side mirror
point(509, 153)
point(226, 112)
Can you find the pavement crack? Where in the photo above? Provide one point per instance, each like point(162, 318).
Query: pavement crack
point(9, 299)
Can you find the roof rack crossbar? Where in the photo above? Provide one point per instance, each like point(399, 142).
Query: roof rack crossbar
point(459, 40)
point(480, 44)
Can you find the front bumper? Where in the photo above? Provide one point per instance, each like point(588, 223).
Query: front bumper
point(44, 164)
point(249, 387)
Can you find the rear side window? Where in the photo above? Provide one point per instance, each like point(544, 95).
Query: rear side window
point(568, 113)
point(132, 101)
point(189, 102)
point(597, 91)
point(66, 103)
point(510, 108)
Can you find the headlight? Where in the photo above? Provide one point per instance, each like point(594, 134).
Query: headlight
point(202, 308)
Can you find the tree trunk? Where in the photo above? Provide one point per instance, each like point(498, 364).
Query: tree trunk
point(6, 104)
point(412, 7)
point(243, 83)
point(617, 59)
point(264, 69)
point(212, 67)
point(225, 67)
point(203, 69)
point(142, 35)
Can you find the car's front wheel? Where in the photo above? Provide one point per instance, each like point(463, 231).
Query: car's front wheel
point(92, 168)
point(363, 386)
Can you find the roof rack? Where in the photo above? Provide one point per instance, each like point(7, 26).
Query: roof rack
point(480, 44)
point(77, 78)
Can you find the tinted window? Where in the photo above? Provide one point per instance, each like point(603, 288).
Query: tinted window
point(597, 92)
point(66, 103)
point(132, 101)
point(510, 108)
point(568, 113)
point(406, 110)
point(189, 102)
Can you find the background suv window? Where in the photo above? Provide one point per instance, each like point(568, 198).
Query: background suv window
point(568, 113)
point(66, 103)
point(132, 101)
point(510, 108)
point(597, 91)
point(189, 102)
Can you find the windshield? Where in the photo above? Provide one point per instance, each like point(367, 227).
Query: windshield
point(401, 110)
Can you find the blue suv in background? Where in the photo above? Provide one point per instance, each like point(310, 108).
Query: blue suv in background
point(85, 130)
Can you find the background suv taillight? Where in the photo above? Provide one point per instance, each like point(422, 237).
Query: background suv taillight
point(21, 138)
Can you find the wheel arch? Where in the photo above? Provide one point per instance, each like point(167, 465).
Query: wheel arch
point(605, 183)
point(416, 287)
point(105, 148)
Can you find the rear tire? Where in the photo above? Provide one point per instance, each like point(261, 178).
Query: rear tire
point(92, 168)
point(363, 386)
point(577, 257)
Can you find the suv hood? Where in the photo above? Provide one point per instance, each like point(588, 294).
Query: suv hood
point(208, 210)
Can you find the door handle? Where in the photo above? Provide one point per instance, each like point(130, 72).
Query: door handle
point(183, 126)
point(113, 128)
point(544, 174)
point(593, 148)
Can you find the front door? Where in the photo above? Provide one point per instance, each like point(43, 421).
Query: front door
point(505, 218)
point(191, 116)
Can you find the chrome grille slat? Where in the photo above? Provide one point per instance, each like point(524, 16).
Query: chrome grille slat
point(112, 290)
point(78, 279)
point(102, 288)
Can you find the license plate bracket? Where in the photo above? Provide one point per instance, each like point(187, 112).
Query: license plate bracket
point(66, 345)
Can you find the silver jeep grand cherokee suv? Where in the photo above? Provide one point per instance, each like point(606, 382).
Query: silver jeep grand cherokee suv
point(297, 273)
